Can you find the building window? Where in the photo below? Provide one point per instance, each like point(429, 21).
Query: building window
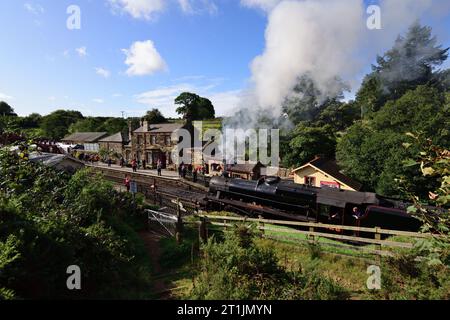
point(310, 181)
point(153, 139)
point(138, 139)
point(168, 141)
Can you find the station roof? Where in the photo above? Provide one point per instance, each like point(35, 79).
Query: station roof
point(117, 138)
point(331, 168)
point(160, 128)
point(87, 137)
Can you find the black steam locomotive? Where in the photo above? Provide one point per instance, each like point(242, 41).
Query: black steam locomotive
point(275, 197)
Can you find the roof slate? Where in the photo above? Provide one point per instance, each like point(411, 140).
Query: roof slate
point(160, 128)
point(118, 137)
point(85, 136)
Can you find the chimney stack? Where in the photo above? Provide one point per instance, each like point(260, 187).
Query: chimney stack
point(130, 130)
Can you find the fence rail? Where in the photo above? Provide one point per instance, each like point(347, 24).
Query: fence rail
point(314, 231)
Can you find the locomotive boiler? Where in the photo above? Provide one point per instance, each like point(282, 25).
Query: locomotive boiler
point(271, 196)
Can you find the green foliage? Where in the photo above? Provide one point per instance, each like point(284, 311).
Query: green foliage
point(433, 209)
point(410, 63)
point(154, 116)
point(31, 121)
point(371, 152)
point(56, 124)
point(193, 107)
point(338, 115)
point(8, 254)
point(239, 269)
point(49, 220)
point(307, 142)
point(403, 277)
point(99, 124)
point(6, 110)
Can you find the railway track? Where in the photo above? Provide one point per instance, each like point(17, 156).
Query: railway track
point(162, 191)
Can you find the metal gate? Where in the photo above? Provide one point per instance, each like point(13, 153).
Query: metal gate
point(162, 223)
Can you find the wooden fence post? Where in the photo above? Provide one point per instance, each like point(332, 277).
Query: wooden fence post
point(179, 225)
point(378, 236)
point(202, 230)
point(261, 224)
point(311, 237)
point(154, 191)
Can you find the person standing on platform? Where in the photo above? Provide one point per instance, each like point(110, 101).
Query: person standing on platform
point(159, 167)
point(134, 165)
point(127, 183)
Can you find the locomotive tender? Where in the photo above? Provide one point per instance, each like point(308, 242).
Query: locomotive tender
point(275, 197)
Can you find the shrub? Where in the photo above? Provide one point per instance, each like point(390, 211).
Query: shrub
point(239, 269)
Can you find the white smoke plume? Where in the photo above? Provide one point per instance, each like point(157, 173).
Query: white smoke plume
point(323, 39)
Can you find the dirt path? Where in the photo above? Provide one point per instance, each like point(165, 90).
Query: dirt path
point(151, 241)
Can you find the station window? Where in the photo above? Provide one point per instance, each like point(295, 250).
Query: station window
point(310, 181)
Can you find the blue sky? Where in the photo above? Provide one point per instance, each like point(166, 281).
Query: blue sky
point(131, 55)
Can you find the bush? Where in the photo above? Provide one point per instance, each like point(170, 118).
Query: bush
point(238, 269)
point(50, 220)
point(405, 278)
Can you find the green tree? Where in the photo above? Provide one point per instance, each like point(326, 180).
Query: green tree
point(339, 115)
point(31, 121)
point(6, 110)
point(307, 142)
point(205, 109)
point(114, 125)
point(154, 116)
point(56, 124)
point(79, 219)
point(410, 63)
point(193, 107)
point(90, 124)
point(307, 101)
point(369, 151)
point(370, 97)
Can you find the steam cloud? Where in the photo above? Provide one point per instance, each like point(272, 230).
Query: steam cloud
point(325, 39)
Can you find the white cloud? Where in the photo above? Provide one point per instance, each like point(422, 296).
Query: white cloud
point(52, 98)
point(98, 100)
point(35, 9)
point(186, 6)
point(163, 97)
point(103, 72)
point(265, 5)
point(198, 6)
point(117, 95)
point(143, 59)
point(82, 52)
point(5, 97)
point(138, 9)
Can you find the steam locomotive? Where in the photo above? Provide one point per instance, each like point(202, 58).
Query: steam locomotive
point(275, 197)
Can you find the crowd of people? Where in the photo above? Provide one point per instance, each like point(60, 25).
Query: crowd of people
point(189, 169)
point(86, 157)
